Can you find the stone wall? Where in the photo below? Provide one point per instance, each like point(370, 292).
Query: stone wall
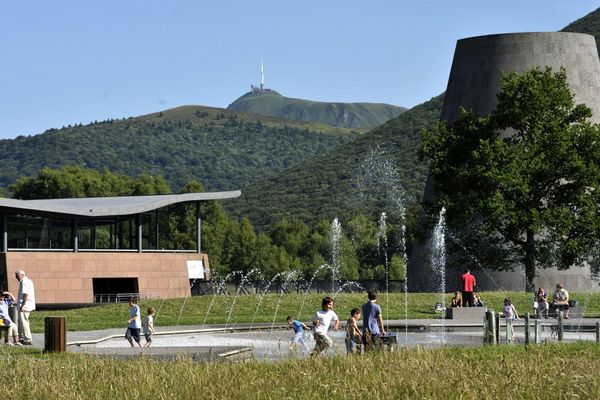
point(66, 277)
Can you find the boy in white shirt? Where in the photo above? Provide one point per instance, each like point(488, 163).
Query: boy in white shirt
point(321, 322)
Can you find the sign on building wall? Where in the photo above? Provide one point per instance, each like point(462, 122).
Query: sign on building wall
point(195, 269)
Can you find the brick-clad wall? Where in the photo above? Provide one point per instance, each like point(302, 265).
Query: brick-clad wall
point(67, 277)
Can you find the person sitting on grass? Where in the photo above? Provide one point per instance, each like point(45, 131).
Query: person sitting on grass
point(477, 301)
point(457, 300)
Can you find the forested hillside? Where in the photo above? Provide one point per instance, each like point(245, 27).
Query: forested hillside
point(589, 24)
point(366, 175)
point(346, 115)
point(223, 149)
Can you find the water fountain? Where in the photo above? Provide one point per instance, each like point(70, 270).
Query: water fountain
point(438, 261)
point(383, 249)
point(336, 234)
point(287, 278)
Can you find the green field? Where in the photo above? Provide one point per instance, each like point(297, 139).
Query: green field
point(557, 371)
point(273, 307)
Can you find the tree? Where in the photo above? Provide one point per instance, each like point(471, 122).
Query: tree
point(520, 185)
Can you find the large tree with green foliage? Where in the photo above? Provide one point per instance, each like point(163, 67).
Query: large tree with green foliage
point(521, 185)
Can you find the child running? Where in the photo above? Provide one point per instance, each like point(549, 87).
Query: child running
point(299, 328)
point(148, 326)
point(321, 322)
point(353, 334)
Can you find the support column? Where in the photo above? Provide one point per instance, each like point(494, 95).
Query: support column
point(157, 233)
point(75, 233)
point(198, 229)
point(94, 235)
point(4, 233)
point(139, 233)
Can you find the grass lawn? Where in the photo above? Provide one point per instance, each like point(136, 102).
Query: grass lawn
point(272, 307)
point(556, 371)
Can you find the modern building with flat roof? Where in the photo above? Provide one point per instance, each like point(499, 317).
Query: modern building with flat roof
point(86, 250)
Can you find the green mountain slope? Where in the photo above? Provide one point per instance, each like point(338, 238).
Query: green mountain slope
point(347, 115)
point(369, 173)
point(221, 148)
point(333, 184)
point(589, 24)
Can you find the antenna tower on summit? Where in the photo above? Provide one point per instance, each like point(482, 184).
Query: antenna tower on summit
point(262, 76)
point(261, 88)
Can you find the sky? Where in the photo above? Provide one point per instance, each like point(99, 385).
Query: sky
point(66, 62)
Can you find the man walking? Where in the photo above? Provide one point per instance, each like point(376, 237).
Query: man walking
point(468, 284)
point(373, 329)
point(25, 305)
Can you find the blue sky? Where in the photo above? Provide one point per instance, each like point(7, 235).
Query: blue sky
point(71, 61)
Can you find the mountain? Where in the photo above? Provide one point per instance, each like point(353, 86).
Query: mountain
point(589, 24)
point(334, 185)
point(223, 149)
point(373, 173)
point(346, 115)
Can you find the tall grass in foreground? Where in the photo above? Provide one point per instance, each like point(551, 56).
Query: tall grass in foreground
point(274, 307)
point(557, 371)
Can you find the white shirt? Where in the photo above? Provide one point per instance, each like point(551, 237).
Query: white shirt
point(26, 287)
point(325, 318)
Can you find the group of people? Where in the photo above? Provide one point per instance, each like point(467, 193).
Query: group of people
point(467, 298)
point(369, 338)
point(19, 330)
point(135, 325)
point(560, 302)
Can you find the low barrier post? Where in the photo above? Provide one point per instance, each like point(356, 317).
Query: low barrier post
point(490, 327)
point(527, 329)
point(509, 330)
point(560, 326)
point(498, 328)
point(55, 335)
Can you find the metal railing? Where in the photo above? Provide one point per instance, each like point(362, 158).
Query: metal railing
point(115, 297)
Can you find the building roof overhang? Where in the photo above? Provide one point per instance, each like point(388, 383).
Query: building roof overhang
point(111, 206)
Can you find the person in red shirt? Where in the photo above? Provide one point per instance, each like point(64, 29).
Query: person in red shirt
point(468, 284)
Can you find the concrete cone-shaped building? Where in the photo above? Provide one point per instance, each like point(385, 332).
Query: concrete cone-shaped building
point(474, 81)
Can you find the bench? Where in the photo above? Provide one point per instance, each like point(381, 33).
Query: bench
point(466, 313)
point(574, 312)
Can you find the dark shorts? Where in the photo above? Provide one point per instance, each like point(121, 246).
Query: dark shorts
point(133, 333)
point(148, 337)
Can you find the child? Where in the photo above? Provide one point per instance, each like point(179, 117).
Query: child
point(321, 322)
point(134, 323)
point(6, 300)
point(148, 326)
point(299, 328)
point(510, 313)
point(353, 334)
